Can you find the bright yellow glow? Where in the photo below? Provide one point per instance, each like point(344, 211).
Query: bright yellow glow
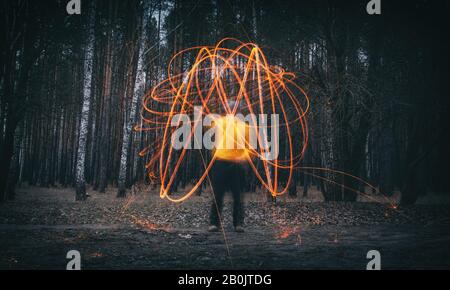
point(232, 139)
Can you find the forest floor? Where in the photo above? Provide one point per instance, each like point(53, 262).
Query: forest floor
point(144, 232)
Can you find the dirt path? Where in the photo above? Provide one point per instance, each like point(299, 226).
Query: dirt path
point(118, 247)
point(143, 232)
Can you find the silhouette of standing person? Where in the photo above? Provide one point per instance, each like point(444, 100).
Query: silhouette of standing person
point(229, 170)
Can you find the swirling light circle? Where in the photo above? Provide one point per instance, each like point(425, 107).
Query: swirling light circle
point(234, 73)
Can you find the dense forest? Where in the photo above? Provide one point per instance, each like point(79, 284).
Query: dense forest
point(71, 87)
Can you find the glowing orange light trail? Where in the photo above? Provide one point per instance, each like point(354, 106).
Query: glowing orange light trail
point(217, 76)
point(230, 71)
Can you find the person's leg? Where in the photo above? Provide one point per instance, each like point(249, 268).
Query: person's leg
point(216, 207)
point(218, 192)
point(237, 190)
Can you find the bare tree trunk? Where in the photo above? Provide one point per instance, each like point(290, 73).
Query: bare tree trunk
point(139, 86)
point(83, 130)
point(106, 108)
point(13, 176)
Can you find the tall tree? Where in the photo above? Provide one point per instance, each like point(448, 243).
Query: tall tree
point(139, 87)
point(86, 107)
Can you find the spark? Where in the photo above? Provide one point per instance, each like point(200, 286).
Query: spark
point(96, 255)
point(147, 224)
point(286, 232)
